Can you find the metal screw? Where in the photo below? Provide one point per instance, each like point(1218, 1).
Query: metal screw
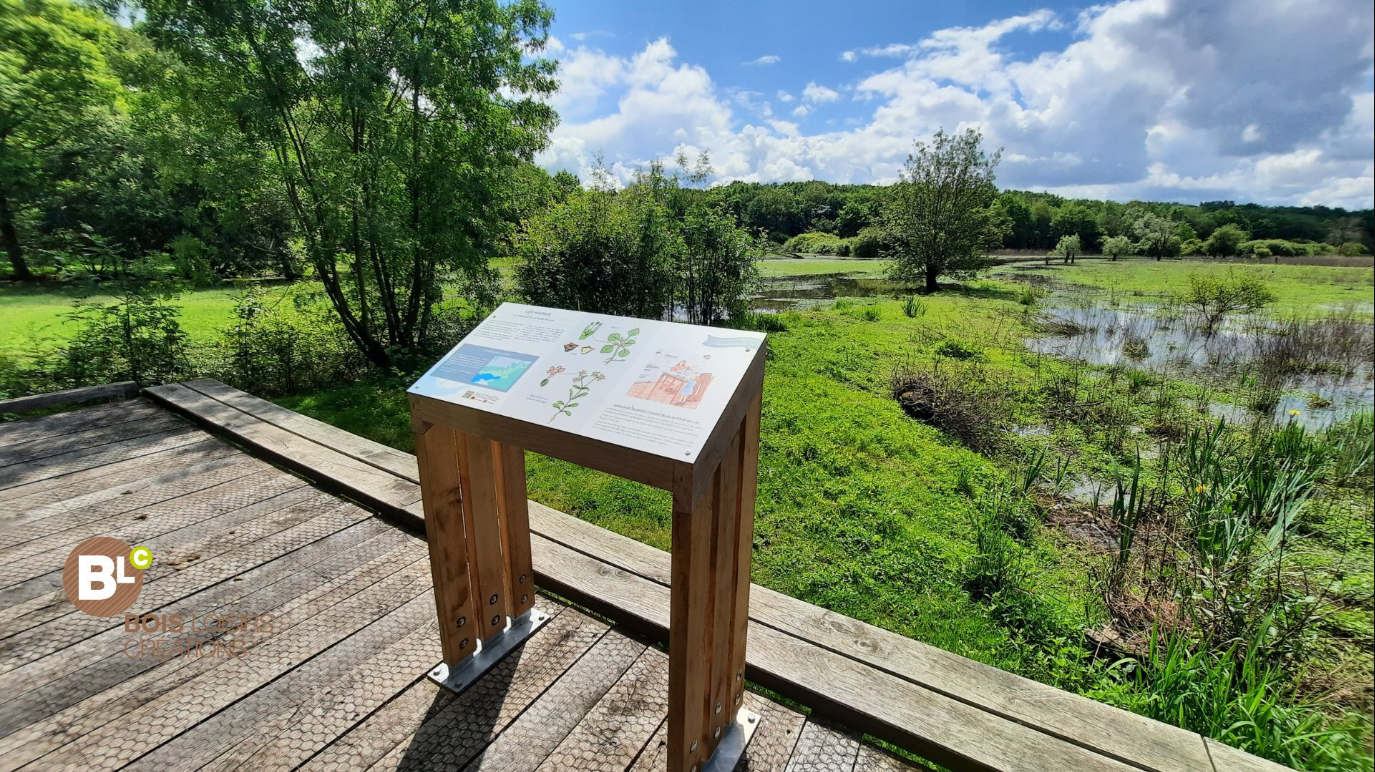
point(496, 620)
point(462, 621)
point(738, 697)
point(739, 675)
point(463, 644)
point(492, 600)
point(692, 748)
point(753, 719)
point(717, 734)
point(524, 598)
point(522, 578)
point(718, 708)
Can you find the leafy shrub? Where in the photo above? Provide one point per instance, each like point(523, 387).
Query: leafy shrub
point(954, 349)
point(869, 243)
point(278, 344)
point(1215, 297)
point(138, 337)
point(815, 243)
point(1283, 247)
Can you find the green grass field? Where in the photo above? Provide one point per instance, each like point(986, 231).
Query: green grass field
point(1299, 288)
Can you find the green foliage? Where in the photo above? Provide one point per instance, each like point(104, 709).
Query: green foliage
point(135, 338)
point(913, 307)
point(418, 116)
point(997, 566)
point(1225, 241)
point(1068, 248)
point(1282, 248)
point(815, 243)
point(1157, 236)
point(1351, 446)
point(55, 79)
point(627, 253)
point(1237, 697)
point(280, 343)
point(954, 349)
point(940, 217)
point(1116, 246)
point(1214, 297)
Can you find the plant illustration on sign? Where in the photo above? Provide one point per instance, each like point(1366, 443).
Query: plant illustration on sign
point(617, 345)
point(582, 386)
point(550, 373)
point(590, 330)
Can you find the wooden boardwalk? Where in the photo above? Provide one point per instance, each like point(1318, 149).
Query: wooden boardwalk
point(336, 682)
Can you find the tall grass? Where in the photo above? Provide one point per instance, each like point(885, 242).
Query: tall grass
point(1237, 697)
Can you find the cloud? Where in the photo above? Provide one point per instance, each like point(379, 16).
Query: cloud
point(1261, 100)
point(766, 59)
point(817, 94)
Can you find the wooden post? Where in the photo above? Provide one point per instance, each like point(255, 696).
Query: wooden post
point(436, 452)
point(712, 539)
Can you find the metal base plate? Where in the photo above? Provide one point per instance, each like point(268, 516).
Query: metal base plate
point(732, 746)
point(465, 673)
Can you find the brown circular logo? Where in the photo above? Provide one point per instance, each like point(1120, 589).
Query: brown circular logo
point(103, 576)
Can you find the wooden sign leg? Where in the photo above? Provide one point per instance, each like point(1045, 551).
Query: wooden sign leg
point(478, 528)
point(436, 452)
point(708, 727)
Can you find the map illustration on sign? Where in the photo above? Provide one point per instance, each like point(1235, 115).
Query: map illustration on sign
point(659, 387)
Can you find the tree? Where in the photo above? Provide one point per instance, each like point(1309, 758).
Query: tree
point(940, 215)
point(1214, 298)
point(1113, 246)
point(1225, 241)
point(1157, 236)
point(396, 128)
point(1067, 248)
point(54, 77)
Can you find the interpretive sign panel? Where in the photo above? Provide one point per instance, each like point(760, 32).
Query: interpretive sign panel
point(656, 387)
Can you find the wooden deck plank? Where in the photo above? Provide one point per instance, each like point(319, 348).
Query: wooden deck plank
point(58, 424)
point(42, 688)
point(27, 524)
point(314, 702)
point(245, 486)
point(823, 747)
point(144, 419)
point(524, 745)
point(84, 459)
point(357, 479)
point(57, 490)
point(118, 390)
point(774, 739)
point(427, 719)
point(381, 456)
point(80, 718)
point(1225, 758)
point(155, 722)
point(181, 549)
point(872, 759)
point(624, 720)
point(67, 630)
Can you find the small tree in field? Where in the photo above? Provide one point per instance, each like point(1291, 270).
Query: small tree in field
point(1067, 248)
point(940, 218)
point(1117, 245)
point(1157, 234)
point(1215, 298)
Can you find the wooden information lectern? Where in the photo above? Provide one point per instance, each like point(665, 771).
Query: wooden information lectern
point(674, 406)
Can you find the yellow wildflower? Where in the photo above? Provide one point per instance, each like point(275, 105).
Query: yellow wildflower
point(1293, 413)
point(1201, 489)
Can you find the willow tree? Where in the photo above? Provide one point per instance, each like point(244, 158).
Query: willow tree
point(397, 127)
point(942, 216)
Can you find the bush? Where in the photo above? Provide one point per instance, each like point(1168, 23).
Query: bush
point(815, 243)
point(956, 350)
point(1213, 298)
point(1283, 248)
point(284, 343)
point(136, 338)
point(869, 243)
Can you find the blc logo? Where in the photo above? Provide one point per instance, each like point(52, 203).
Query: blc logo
point(103, 575)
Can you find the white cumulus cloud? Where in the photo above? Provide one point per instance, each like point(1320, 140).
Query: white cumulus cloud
point(1253, 100)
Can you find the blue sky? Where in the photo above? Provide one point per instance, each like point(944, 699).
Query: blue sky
point(1252, 100)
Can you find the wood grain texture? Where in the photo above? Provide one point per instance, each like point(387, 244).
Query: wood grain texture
point(437, 450)
point(689, 642)
point(120, 390)
point(482, 523)
point(823, 747)
point(612, 734)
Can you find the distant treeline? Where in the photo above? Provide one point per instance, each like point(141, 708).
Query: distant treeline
point(1038, 220)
